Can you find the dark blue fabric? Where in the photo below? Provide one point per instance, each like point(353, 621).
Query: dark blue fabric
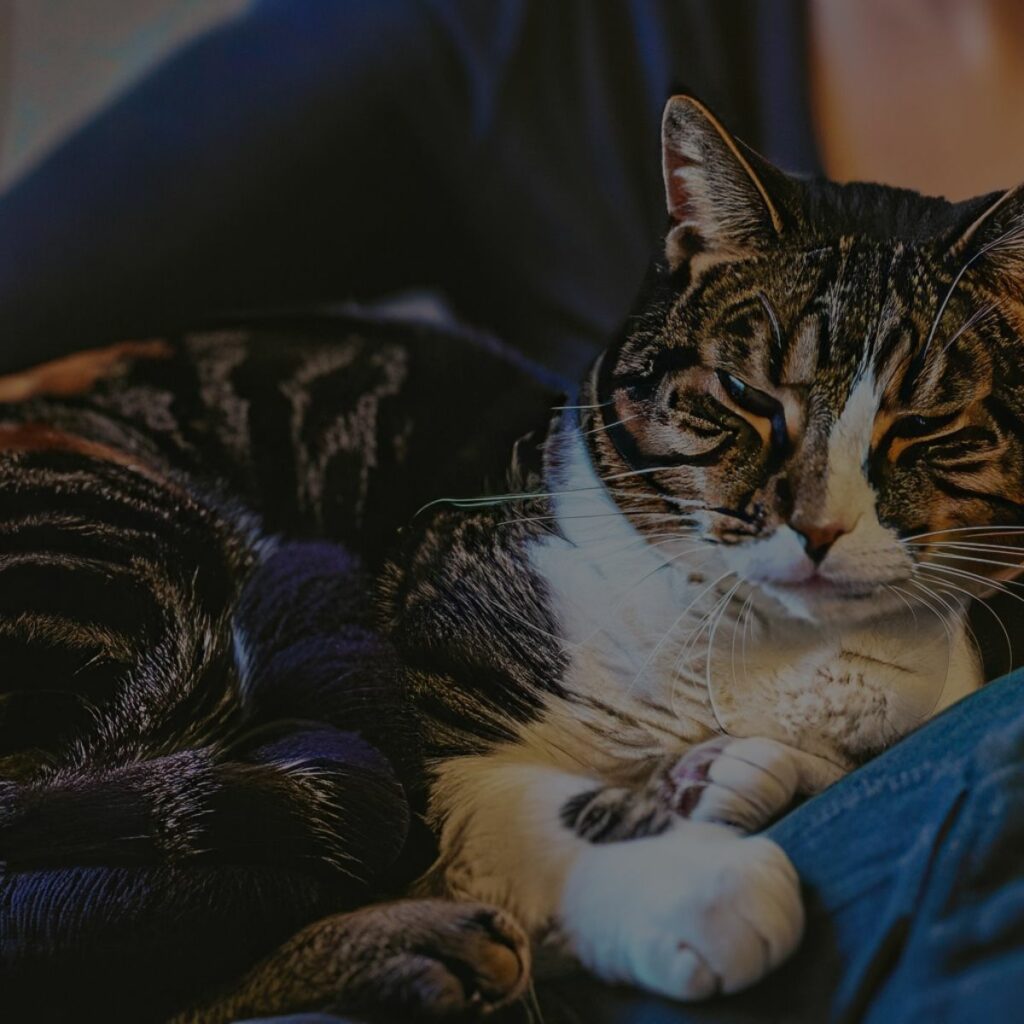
point(308, 151)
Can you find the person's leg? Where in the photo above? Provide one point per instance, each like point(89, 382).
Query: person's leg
point(308, 152)
point(962, 958)
point(505, 154)
point(236, 174)
point(914, 889)
point(913, 875)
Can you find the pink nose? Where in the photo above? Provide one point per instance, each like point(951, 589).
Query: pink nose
point(818, 538)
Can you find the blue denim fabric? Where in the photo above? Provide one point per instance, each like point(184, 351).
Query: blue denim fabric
point(914, 876)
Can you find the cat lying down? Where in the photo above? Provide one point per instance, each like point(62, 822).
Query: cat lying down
point(739, 575)
point(734, 568)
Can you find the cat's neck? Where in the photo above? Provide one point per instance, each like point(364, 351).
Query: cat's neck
point(662, 622)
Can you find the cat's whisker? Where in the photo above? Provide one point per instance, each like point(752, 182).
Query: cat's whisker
point(666, 536)
point(910, 600)
point(682, 657)
point(984, 604)
point(665, 564)
point(751, 615)
point(736, 627)
point(588, 515)
point(955, 606)
point(955, 612)
point(711, 648)
point(973, 558)
point(901, 595)
point(701, 547)
point(671, 629)
point(972, 321)
point(1005, 238)
point(942, 619)
point(693, 545)
point(989, 530)
point(972, 576)
point(1013, 549)
point(593, 405)
point(608, 426)
point(639, 472)
point(676, 678)
point(532, 1004)
point(488, 500)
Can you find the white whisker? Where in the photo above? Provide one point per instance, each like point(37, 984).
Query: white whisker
point(671, 629)
point(989, 530)
point(608, 426)
point(973, 558)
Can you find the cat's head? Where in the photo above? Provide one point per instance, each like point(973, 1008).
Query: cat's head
point(825, 380)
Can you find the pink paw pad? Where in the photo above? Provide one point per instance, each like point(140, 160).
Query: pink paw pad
point(688, 777)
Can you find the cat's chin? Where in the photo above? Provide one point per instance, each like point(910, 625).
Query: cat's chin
point(826, 603)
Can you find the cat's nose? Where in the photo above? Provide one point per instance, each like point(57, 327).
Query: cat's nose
point(818, 538)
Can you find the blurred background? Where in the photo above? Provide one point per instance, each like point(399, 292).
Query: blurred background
point(166, 163)
point(61, 60)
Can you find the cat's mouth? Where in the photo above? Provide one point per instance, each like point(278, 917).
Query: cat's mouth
point(818, 598)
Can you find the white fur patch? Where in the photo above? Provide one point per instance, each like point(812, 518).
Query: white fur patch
point(690, 913)
point(697, 909)
point(849, 496)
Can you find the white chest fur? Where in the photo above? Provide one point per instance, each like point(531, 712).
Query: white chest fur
point(672, 646)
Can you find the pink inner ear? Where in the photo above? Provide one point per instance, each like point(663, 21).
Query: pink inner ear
point(677, 192)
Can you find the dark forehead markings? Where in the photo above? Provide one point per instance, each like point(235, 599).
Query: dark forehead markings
point(856, 302)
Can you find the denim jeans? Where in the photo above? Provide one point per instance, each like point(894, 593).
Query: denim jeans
point(913, 869)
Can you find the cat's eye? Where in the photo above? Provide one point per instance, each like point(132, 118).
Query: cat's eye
point(922, 426)
point(747, 397)
point(757, 402)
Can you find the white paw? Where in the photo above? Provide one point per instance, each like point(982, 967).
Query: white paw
point(688, 914)
point(744, 782)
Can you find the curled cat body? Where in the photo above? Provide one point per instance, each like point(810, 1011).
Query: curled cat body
point(735, 567)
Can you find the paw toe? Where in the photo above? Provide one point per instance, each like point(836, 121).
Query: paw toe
point(693, 978)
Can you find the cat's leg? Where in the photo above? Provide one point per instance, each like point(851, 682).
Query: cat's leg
point(291, 800)
point(248, 844)
point(743, 782)
point(424, 958)
point(690, 911)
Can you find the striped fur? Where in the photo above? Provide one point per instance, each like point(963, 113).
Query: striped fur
point(187, 700)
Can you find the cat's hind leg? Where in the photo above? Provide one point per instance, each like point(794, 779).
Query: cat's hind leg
point(425, 958)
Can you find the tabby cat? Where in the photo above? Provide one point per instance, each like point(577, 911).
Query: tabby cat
point(732, 568)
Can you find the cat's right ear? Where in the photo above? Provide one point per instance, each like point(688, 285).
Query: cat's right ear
point(719, 203)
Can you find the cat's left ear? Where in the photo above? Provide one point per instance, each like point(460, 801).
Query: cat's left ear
point(996, 236)
point(719, 193)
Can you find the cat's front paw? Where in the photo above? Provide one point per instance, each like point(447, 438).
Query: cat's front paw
point(743, 782)
point(689, 914)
